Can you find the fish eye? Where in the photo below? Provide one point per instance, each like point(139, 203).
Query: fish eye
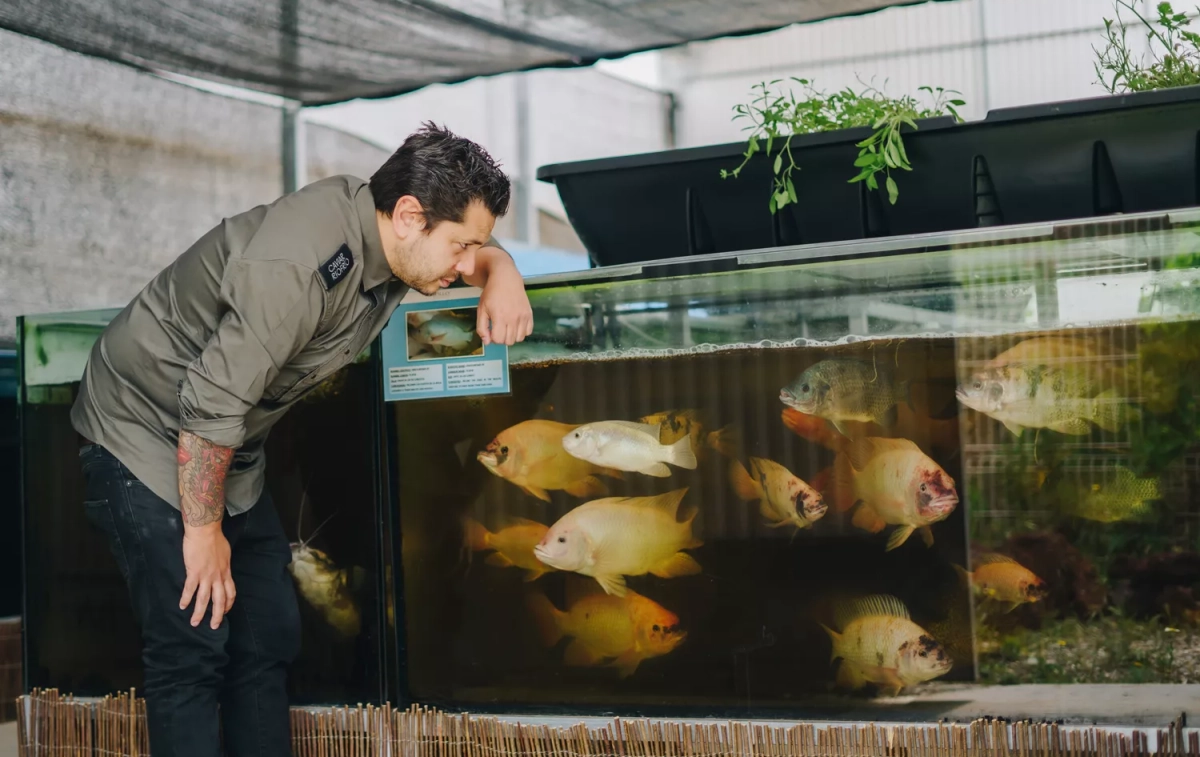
point(977, 385)
point(655, 628)
point(923, 487)
point(806, 388)
point(562, 540)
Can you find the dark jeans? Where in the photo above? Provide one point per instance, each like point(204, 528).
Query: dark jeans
point(243, 664)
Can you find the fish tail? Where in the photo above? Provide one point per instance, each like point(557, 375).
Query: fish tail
point(745, 487)
point(681, 453)
point(725, 440)
point(547, 617)
point(834, 638)
point(477, 536)
point(843, 483)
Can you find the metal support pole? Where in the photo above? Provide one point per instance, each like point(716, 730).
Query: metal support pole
point(527, 225)
point(294, 156)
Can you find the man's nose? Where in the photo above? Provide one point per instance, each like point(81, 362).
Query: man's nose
point(466, 266)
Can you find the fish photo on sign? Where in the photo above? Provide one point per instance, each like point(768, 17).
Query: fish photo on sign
point(443, 333)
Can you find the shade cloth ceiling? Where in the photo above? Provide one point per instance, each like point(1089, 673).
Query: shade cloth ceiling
point(325, 51)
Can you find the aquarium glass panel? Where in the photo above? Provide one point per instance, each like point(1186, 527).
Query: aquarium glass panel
point(80, 631)
point(899, 479)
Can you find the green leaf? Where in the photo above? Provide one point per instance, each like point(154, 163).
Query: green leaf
point(872, 182)
point(791, 190)
point(772, 203)
point(958, 103)
point(753, 146)
point(778, 162)
point(864, 159)
point(893, 190)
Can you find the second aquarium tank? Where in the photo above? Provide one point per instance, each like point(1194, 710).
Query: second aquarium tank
point(819, 481)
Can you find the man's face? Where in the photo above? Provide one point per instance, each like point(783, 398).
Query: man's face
point(429, 261)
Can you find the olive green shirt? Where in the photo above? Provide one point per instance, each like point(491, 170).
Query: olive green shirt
point(259, 311)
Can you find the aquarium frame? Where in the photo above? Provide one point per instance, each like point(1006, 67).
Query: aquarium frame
point(1080, 228)
point(909, 244)
point(21, 465)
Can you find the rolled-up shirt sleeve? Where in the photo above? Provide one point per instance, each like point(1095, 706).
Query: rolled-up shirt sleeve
point(272, 311)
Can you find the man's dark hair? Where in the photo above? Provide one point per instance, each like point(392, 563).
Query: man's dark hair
point(445, 172)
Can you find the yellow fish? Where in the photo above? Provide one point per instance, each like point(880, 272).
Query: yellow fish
point(673, 425)
point(608, 631)
point(1003, 579)
point(615, 537)
point(531, 456)
point(894, 483)
point(782, 497)
point(879, 644)
point(629, 446)
point(513, 545)
point(1118, 496)
point(1065, 398)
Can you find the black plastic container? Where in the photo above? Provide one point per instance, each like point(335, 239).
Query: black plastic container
point(1049, 162)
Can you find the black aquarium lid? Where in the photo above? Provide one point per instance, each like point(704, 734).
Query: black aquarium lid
point(1074, 159)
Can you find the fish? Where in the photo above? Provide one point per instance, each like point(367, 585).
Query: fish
point(1004, 580)
point(615, 537)
point(1049, 350)
point(893, 483)
point(531, 456)
point(607, 631)
point(448, 334)
point(879, 644)
point(327, 588)
point(1066, 399)
point(674, 424)
point(629, 446)
point(512, 545)
point(939, 437)
point(846, 389)
point(783, 498)
point(1122, 496)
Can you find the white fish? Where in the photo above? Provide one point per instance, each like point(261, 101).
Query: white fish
point(629, 446)
point(615, 537)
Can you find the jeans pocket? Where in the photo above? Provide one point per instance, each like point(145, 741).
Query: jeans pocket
point(99, 514)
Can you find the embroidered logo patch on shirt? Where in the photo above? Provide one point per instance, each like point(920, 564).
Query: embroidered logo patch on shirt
point(336, 268)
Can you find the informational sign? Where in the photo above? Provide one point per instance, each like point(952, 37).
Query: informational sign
point(432, 348)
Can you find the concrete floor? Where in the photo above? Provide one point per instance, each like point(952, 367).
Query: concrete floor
point(8, 740)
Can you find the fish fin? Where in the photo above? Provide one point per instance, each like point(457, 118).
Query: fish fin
point(888, 679)
point(533, 575)
point(989, 558)
point(889, 417)
point(546, 617)
point(646, 428)
point(745, 487)
point(682, 455)
point(834, 638)
point(867, 519)
point(841, 428)
point(1071, 426)
point(963, 574)
point(579, 656)
point(821, 480)
point(850, 676)
point(1011, 606)
point(611, 473)
point(725, 440)
point(536, 492)
point(898, 537)
point(1107, 410)
point(627, 664)
point(516, 520)
point(476, 535)
point(587, 487)
point(927, 535)
point(678, 564)
point(846, 612)
point(1015, 428)
point(844, 496)
point(612, 584)
point(667, 501)
point(498, 560)
point(658, 470)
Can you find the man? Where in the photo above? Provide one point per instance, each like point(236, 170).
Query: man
point(182, 387)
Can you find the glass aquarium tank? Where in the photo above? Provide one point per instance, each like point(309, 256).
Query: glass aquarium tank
point(910, 478)
point(80, 632)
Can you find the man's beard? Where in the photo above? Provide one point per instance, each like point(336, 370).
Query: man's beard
point(424, 282)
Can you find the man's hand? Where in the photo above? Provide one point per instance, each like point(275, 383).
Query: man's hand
point(202, 467)
point(206, 557)
point(503, 302)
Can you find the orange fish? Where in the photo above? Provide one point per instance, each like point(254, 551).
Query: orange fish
point(1003, 579)
point(607, 631)
point(783, 498)
point(935, 436)
point(531, 456)
point(512, 545)
point(893, 483)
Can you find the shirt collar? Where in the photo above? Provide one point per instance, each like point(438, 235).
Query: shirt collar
point(376, 270)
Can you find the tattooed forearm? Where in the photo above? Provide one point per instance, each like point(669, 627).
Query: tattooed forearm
point(202, 467)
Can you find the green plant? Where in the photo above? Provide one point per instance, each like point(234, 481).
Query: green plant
point(1177, 64)
point(778, 117)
